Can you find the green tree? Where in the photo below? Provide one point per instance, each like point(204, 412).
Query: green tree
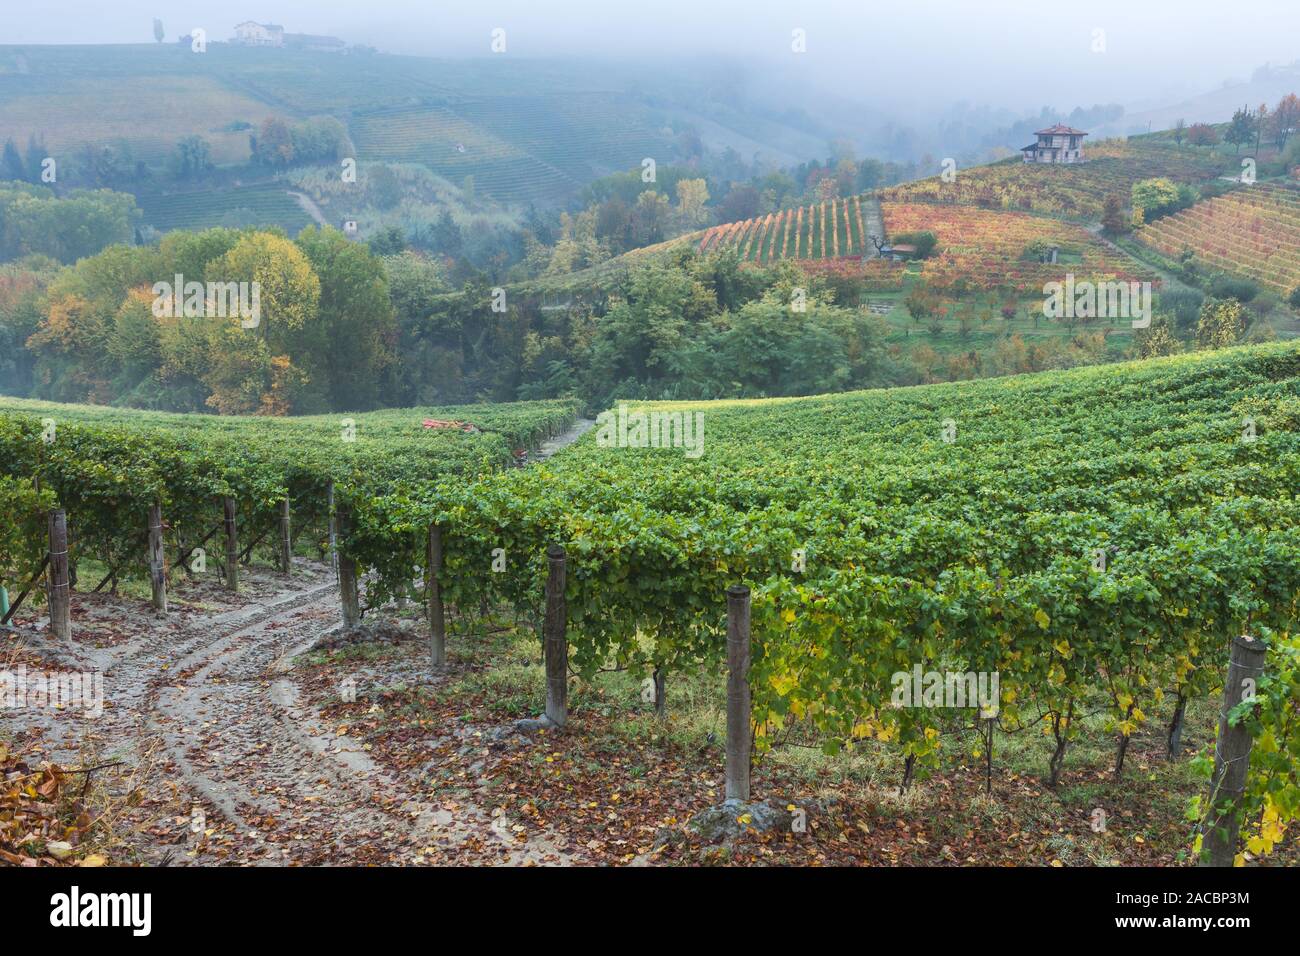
point(1221, 323)
point(356, 331)
point(1241, 130)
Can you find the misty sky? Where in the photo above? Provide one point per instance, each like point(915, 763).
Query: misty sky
point(1019, 54)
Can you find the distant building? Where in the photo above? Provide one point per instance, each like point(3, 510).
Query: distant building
point(1056, 144)
point(308, 41)
point(251, 33)
point(901, 252)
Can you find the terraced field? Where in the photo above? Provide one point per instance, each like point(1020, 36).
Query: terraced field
point(265, 204)
point(1253, 231)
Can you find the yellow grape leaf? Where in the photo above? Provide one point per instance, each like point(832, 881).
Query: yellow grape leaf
point(1041, 617)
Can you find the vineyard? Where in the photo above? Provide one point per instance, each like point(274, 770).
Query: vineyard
point(978, 249)
point(455, 148)
point(263, 204)
point(981, 249)
point(1073, 191)
point(1253, 232)
point(1095, 537)
point(107, 463)
point(840, 228)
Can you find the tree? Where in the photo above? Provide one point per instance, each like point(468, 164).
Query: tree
point(1221, 323)
point(356, 331)
point(11, 166)
point(273, 144)
point(193, 157)
point(692, 194)
point(1112, 216)
point(289, 290)
point(1180, 131)
point(1241, 129)
point(383, 186)
point(1202, 134)
point(1286, 115)
point(157, 30)
point(1261, 121)
point(1157, 340)
point(1153, 198)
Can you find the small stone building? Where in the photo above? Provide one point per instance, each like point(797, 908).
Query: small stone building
point(1056, 144)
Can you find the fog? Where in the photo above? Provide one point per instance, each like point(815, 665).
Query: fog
point(911, 61)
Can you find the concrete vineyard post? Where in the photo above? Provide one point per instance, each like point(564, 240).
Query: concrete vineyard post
point(60, 600)
point(286, 539)
point(1231, 754)
point(349, 597)
point(232, 545)
point(738, 696)
point(433, 588)
point(157, 560)
point(557, 648)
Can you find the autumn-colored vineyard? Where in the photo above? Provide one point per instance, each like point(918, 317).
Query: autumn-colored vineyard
point(1253, 231)
point(982, 249)
point(1078, 192)
point(830, 230)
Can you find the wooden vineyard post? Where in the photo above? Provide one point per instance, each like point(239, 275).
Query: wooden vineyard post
point(738, 697)
point(433, 594)
point(333, 527)
point(349, 597)
point(1231, 754)
point(232, 545)
point(157, 560)
point(286, 539)
point(60, 600)
point(557, 648)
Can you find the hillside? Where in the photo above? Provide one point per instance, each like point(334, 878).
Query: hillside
point(1074, 191)
point(1253, 231)
point(526, 130)
point(1093, 537)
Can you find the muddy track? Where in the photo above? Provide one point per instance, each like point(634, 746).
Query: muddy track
point(230, 717)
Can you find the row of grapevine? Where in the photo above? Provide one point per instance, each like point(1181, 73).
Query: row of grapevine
point(107, 466)
point(1253, 231)
point(984, 248)
point(1095, 537)
point(829, 230)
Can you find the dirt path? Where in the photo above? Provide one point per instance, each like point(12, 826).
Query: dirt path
point(559, 442)
point(205, 710)
point(207, 707)
point(310, 207)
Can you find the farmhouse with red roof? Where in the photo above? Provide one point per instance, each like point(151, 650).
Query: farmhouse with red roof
point(1056, 144)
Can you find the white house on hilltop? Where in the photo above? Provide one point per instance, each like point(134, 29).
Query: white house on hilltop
point(252, 33)
point(1056, 144)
